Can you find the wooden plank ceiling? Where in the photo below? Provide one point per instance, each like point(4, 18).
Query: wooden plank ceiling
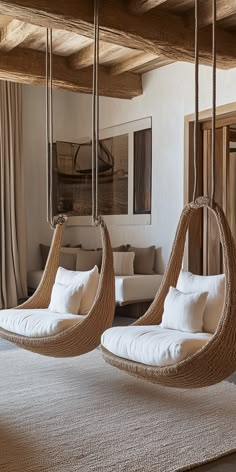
point(135, 36)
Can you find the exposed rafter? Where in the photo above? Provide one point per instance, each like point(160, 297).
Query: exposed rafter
point(84, 57)
point(141, 6)
point(155, 64)
point(224, 9)
point(14, 34)
point(159, 32)
point(132, 63)
point(28, 66)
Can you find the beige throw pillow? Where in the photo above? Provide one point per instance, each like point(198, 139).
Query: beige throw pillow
point(86, 260)
point(123, 263)
point(67, 258)
point(144, 261)
point(184, 311)
point(121, 248)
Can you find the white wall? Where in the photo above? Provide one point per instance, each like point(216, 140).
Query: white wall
point(168, 96)
point(71, 119)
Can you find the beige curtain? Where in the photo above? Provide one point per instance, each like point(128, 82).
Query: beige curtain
point(12, 214)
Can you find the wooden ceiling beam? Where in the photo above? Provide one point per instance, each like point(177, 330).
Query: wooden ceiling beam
point(84, 57)
point(69, 15)
point(224, 9)
point(141, 6)
point(132, 63)
point(158, 32)
point(28, 67)
point(14, 34)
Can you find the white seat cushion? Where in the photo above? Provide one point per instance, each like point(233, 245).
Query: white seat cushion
point(37, 322)
point(152, 345)
point(134, 288)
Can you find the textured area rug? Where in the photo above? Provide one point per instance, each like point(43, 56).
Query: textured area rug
point(82, 415)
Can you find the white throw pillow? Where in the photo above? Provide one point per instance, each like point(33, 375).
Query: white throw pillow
point(87, 279)
point(184, 311)
point(65, 299)
point(123, 263)
point(215, 286)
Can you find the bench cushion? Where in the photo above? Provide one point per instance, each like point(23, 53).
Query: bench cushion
point(153, 345)
point(136, 288)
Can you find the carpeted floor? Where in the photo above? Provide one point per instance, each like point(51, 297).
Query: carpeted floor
point(82, 415)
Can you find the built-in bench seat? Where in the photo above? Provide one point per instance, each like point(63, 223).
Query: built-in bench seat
point(129, 288)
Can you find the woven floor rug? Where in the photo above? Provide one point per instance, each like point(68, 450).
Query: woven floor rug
point(82, 415)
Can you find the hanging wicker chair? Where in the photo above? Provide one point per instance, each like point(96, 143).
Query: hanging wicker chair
point(86, 334)
point(217, 359)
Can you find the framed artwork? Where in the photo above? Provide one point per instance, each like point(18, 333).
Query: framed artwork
point(74, 177)
point(124, 175)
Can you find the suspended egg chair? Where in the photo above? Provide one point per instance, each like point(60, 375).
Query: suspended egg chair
point(216, 360)
point(85, 335)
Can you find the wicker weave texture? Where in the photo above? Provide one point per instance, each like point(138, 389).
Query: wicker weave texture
point(86, 335)
point(217, 359)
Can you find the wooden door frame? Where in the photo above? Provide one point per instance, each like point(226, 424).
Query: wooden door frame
point(225, 115)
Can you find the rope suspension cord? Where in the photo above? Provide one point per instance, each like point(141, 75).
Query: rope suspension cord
point(47, 121)
point(95, 116)
point(49, 124)
point(196, 122)
point(213, 145)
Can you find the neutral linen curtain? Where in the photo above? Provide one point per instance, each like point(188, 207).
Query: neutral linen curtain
point(12, 214)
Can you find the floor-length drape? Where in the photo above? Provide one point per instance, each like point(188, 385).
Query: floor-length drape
point(12, 213)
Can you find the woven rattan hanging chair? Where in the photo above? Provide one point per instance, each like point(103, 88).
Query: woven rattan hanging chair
point(217, 359)
point(86, 334)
